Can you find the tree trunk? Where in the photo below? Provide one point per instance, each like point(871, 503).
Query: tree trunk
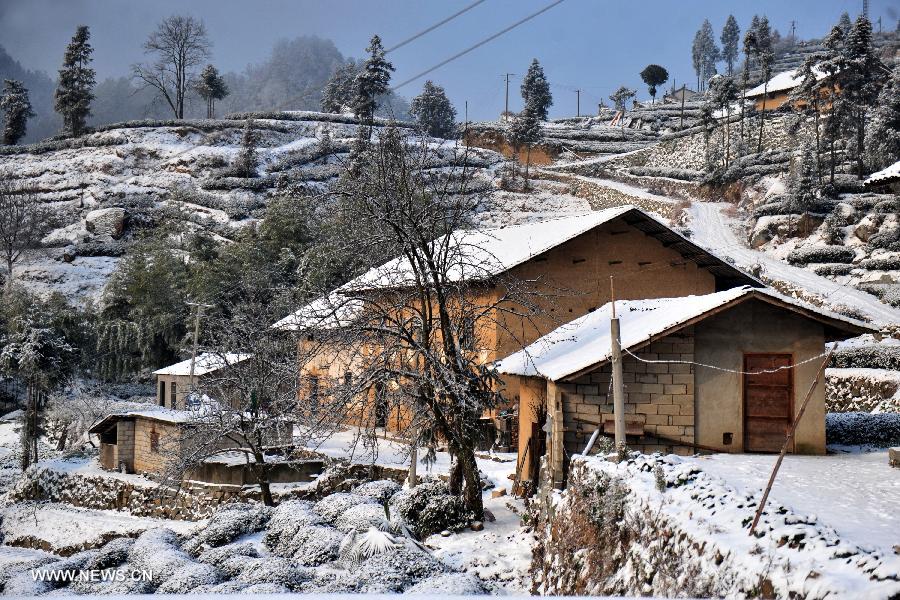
point(860, 142)
point(762, 115)
point(472, 489)
point(818, 146)
point(527, 164)
point(262, 477)
point(9, 274)
point(28, 427)
point(455, 477)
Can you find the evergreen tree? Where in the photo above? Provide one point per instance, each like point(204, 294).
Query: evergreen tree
point(766, 57)
point(833, 64)
point(536, 90)
point(433, 111)
point(76, 83)
point(722, 94)
point(705, 54)
point(525, 130)
point(749, 48)
point(211, 86)
point(372, 81)
point(16, 107)
point(247, 160)
point(339, 92)
point(845, 23)
point(731, 36)
point(654, 76)
point(802, 184)
point(883, 130)
point(859, 83)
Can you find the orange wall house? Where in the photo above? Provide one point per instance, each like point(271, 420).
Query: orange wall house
point(566, 263)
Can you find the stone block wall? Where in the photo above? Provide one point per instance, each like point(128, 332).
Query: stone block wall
point(148, 459)
point(659, 399)
point(124, 445)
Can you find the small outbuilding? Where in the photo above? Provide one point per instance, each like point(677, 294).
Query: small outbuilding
point(173, 383)
point(887, 180)
point(725, 372)
point(139, 441)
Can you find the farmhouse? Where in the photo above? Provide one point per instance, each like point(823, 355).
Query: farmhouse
point(725, 371)
point(566, 261)
point(776, 93)
point(173, 383)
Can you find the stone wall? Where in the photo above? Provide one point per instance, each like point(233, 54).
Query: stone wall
point(150, 457)
point(659, 399)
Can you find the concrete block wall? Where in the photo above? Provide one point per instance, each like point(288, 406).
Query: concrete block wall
point(147, 460)
point(124, 445)
point(659, 398)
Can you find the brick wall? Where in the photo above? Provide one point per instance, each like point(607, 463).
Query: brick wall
point(659, 398)
point(125, 444)
point(147, 459)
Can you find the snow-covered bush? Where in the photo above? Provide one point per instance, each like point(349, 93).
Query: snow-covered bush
point(863, 429)
point(311, 546)
point(821, 254)
point(867, 357)
point(361, 517)
point(670, 173)
point(881, 264)
point(889, 294)
point(157, 551)
point(833, 269)
point(449, 584)
point(888, 206)
point(888, 239)
point(380, 490)
point(391, 572)
point(189, 577)
point(112, 554)
point(278, 571)
point(229, 522)
point(287, 518)
point(218, 556)
point(331, 507)
point(429, 508)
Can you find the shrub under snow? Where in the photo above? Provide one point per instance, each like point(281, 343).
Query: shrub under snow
point(429, 508)
point(275, 571)
point(867, 357)
point(312, 546)
point(189, 577)
point(396, 571)
point(331, 507)
point(863, 429)
point(157, 550)
point(218, 556)
point(228, 523)
point(361, 517)
point(112, 554)
point(380, 490)
point(449, 584)
point(821, 254)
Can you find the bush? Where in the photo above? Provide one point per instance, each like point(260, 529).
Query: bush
point(429, 508)
point(776, 206)
point(867, 357)
point(393, 572)
point(888, 206)
point(680, 174)
point(886, 240)
point(889, 294)
point(228, 523)
point(863, 429)
point(289, 516)
point(189, 577)
point(449, 584)
point(833, 270)
point(361, 517)
point(157, 550)
point(312, 546)
point(380, 490)
point(275, 571)
point(218, 556)
point(331, 507)
point(881, 264)
point(112, 554)
point(821, 254)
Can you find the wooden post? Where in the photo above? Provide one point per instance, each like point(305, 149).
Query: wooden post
point(618, 385)
point(789, 438)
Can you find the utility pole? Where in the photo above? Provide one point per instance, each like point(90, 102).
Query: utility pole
point(617, 384)
point(466, 126)
point(506, 105)
point(197, 314)
point(866, 8)
point(578, 103)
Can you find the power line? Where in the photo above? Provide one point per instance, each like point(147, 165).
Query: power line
point(478, 45)
point(433, 27)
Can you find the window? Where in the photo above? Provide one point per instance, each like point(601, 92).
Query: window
point(348, 379)
point(172, 389)
point(154, 441)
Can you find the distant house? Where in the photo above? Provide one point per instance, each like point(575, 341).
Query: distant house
point(887, 180)
point(575, 253)
point(725, 372)
point(682, 94)
point(778, 90)
point(146, 440)
point(173, 383)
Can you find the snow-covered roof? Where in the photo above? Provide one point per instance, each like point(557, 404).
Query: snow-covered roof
point(156, 413)
point(586, 341)
point(786, 80)
point(481, 254)
point(205, 363)
point(892, 172)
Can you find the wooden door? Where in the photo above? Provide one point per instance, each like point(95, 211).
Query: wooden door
point(768, 401)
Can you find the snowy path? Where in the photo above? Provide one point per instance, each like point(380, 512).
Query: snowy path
point(855, 494)
point(714, 231)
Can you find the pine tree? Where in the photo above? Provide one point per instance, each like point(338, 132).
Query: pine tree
point(766, 56)
point(833, 64)
point(883, 130)
point(536, 90)
point(802, 184)
point(525, 130)
point(805, 98)
point(16, 107)
point(433, 111)
point(845, 23)
point(76, 83)
point(372, 81)
point(722, 94)
point(247, 160)
point(859, 83)
point(339, 92)
point(749, 48)
point(211, 86)
point(654, 76)
point(731, 36)
point(705, 54)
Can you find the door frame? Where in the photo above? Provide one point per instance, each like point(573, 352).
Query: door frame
point(791, 386)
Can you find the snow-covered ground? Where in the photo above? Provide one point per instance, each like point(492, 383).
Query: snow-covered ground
point(715, 231)
point(857, 494)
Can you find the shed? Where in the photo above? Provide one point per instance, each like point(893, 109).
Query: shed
point(173, 383)
point(138, 441)
point(724, 371)
point(887, 180)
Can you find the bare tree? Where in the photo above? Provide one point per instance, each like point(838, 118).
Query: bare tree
point(179, 44)
point(23, 222)
point(409, 343)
